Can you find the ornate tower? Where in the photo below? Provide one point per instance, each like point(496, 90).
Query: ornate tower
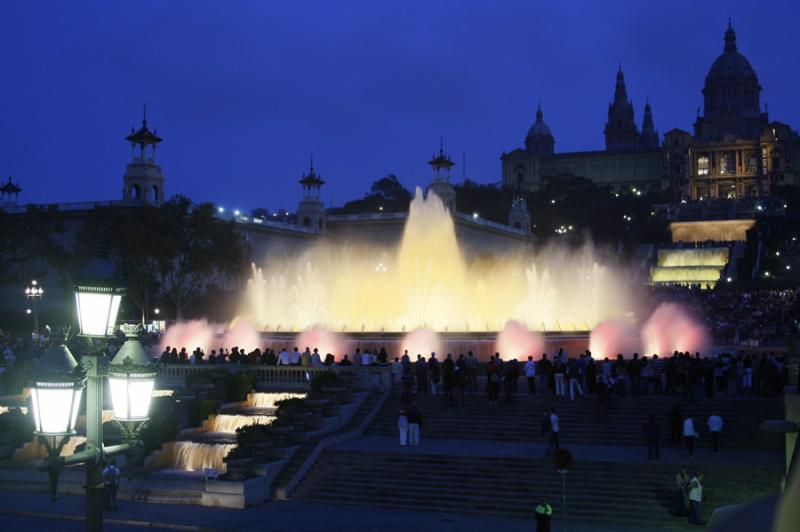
point(649, 136)
point(518, 216)
point(311, 211)
point(539, 140)
point(9, 193)
point(620, 131)
point(441, 185)
point(143, 182)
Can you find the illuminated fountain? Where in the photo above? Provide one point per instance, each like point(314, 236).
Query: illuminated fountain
point(427, 282)
point(702, 266)
point(267, 400)
point(190, 456)
point(228, 423)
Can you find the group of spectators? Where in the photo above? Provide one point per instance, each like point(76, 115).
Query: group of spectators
point(739, 317)
point(268, 357)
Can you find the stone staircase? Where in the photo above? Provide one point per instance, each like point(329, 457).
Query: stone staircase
point(304, 451)
point(521, 420)
point(636, 494)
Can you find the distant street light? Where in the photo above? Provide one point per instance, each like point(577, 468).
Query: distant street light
point(34, 292)
point(156, 311)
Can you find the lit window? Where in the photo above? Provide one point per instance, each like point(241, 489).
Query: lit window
point(727, 164)
point(703, 165)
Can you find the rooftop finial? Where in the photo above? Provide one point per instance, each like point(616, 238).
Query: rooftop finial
point(144, 114)
point(311, 158)
point(730, 38)
point(441, 145)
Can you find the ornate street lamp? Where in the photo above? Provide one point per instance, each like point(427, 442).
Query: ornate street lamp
point(131, 378)
point(56, 396)
point(34, 292)
point(97, 298)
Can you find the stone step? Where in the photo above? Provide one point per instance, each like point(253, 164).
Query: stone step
point(597, 491)
point(521, 420)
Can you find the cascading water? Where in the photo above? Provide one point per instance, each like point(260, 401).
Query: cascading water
point(230, 422)
point(427, 282)
point(268, 400)
point(191, 456)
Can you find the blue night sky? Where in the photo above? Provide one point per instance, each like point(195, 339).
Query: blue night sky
point(243, 91)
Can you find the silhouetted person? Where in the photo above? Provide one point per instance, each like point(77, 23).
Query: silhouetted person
point(651, 432)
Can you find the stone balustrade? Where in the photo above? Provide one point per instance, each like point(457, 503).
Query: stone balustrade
point(280, 377)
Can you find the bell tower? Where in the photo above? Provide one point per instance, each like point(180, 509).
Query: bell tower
point(518, 216)
point(441, 185)
point(143, 183)
point(311, 211)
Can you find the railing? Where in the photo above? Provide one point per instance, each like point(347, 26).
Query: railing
point(279, 377)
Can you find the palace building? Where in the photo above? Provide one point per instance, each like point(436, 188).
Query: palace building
point(735, 151)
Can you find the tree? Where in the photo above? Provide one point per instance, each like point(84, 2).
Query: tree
point(386, 194)
point(390, 189)
point(29, 243)
point(128, 236)
point(196, 250)
point(177, 251)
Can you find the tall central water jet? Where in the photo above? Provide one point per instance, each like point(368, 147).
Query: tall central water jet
point(428, 282)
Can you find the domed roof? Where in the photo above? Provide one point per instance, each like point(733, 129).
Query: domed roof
point(731, 65)
point(539, 128)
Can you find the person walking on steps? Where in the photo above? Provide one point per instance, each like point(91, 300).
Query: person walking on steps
point(414, 424)
point(111, 484)
point(544, 513)
point(715, 428)
point(695, 498)
point(555, 430)
point(689, 434)
point(651, 431)
point(402, 426)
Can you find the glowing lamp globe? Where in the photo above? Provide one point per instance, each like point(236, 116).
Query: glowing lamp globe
point(97, 298)
point(131, 377)
point(56, 393)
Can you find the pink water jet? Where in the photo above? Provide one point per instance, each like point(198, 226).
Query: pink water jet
point(516, 341)
point(421, 342)
point(242, 335)
point(190, 334)
point(612, 337)
point(321, 338)
point(670, 328)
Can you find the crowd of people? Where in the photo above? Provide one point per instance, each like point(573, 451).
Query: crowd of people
point(757, 317)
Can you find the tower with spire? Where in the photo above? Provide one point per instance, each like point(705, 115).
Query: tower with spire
point(441, 185)
point(143, 182)
point(539, 140)
point(648, 138)
point(518, 216)
point(311, 211)
point(9, 193)
point(620, 130)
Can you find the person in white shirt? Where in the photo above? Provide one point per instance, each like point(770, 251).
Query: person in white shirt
point(397, 370)
point(689, 434)
point(530, 374)
point(402, 426)
point(283, 358)
point(294, 358)
point(715, 428)
point(555, 429)
point(316, 361)
point(695, 498)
